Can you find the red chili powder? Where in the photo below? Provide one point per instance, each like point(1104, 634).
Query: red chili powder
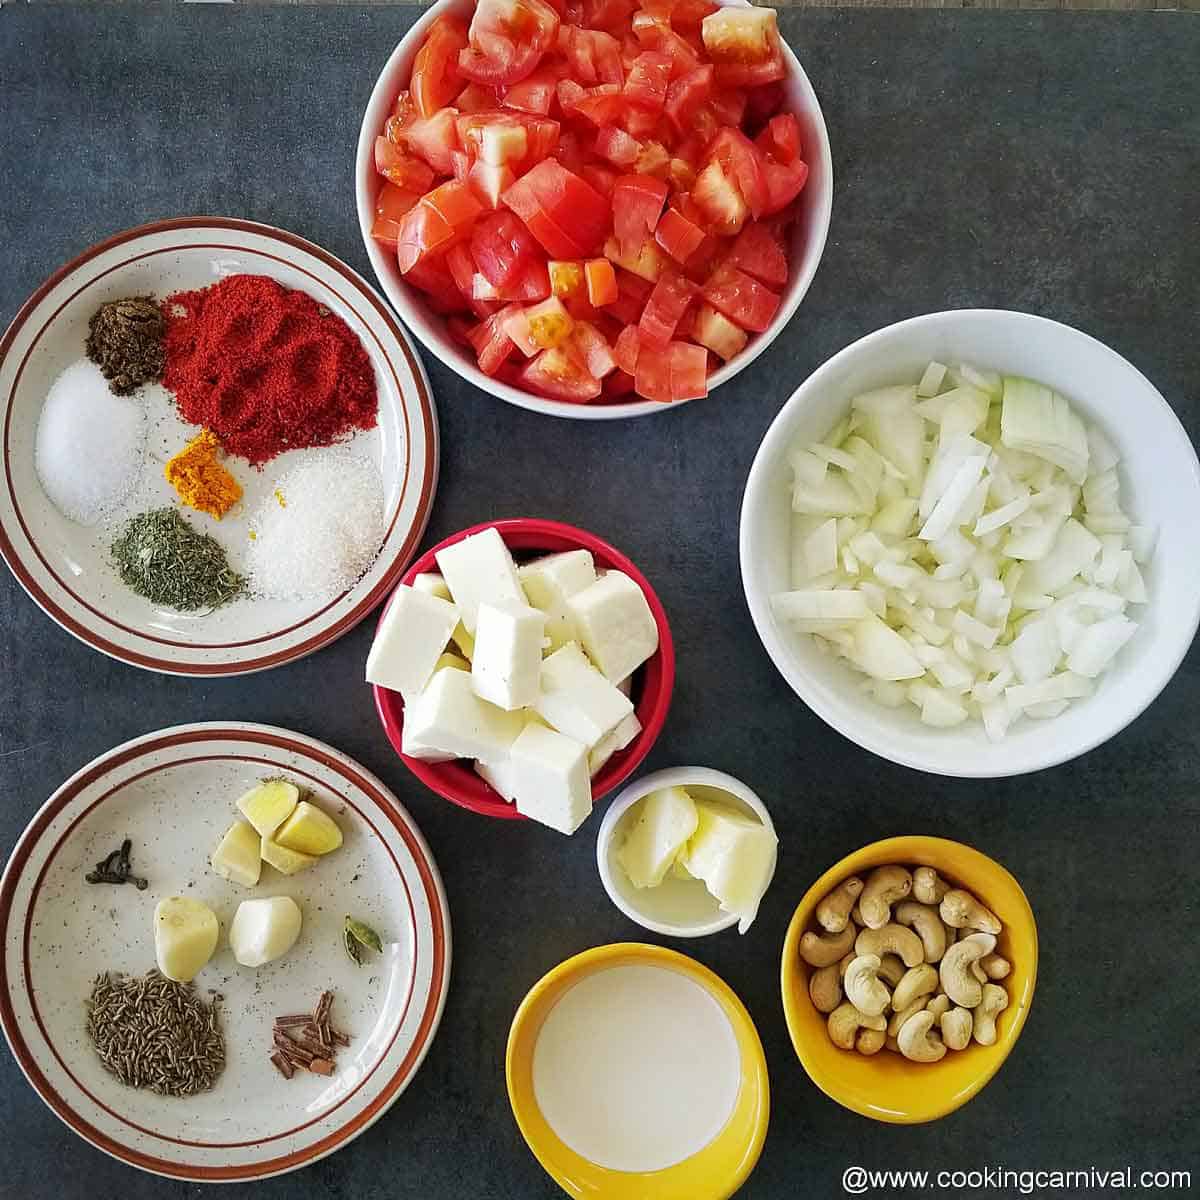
point(267, 369)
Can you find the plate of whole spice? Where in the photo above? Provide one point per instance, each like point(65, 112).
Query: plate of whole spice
point(220, 450)
point(226, 950)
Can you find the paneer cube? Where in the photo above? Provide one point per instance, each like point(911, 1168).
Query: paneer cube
point(550, 778)
point(410, 640)
point(610, 743)
point(507, 665)
point(550, 581)
point(480, 568)
point(615, 624)
point(448, 717)
point(577, 700)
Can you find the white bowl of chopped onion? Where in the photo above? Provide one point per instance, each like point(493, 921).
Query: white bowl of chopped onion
point(969, 542)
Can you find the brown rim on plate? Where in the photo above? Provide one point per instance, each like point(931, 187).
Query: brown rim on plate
point(430, 1017)
point(91, 637)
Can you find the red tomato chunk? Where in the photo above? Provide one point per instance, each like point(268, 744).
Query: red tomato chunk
point(597, 195)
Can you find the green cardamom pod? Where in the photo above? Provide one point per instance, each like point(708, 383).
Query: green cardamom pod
point(357, 934)
point(351, 947)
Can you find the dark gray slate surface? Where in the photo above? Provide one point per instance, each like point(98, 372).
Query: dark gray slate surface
point(1042, 162)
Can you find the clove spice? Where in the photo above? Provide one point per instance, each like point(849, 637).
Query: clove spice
point(117, 868)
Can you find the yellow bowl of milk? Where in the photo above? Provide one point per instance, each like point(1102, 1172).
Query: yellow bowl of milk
point(635, 1073)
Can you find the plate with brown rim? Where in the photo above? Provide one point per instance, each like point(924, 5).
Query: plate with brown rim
point(173, 793)
point(66, 567)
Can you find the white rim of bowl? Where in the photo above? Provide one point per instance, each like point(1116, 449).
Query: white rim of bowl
point(417, 323)
point(749, 551)
point(638, 790)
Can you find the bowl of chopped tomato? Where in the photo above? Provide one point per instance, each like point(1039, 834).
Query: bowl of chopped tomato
point(594, 208)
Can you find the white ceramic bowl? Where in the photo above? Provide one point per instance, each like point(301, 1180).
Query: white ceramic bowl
point(1160, 480)
point(677, 907)
point(809, 232)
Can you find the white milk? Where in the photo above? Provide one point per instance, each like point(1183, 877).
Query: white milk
point(636, 1068)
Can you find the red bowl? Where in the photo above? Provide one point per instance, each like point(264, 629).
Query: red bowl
point(652, 684)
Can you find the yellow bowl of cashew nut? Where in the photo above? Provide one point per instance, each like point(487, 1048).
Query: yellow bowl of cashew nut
point(908, 971)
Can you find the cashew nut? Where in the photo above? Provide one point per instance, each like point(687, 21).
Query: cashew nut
point(825, 988)
point(844, 1023)
point(890, 939)
point(891, 969)
point(956, 1028)
point(995, 967)
point(963, 911)
point(928, 886)
point(834, 911)
point(870, 1041)
point(884, 886)
point(939, 1005)
point(951, 934)
point(857, 917)
point(916, 1040)
point(822, 949)
point(863, 987)
point(902, 1014)
point(979, 972)
point(843, 963)
point(918, 983)
point(994, 1002)
point(927, 923)
point(891, 1043)
point(960, 985)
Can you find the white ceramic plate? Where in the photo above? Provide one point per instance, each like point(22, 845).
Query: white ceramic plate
point(65, 567)
point(173, 794)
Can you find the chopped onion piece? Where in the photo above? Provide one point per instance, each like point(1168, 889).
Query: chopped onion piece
point(974, 631)
point(1142, 539)
point(882, 653)
point(821, 550)
point(932, 380)
point(999, 517)
point(837, 608)
point(1036, 650)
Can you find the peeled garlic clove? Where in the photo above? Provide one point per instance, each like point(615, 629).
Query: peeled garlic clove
point(237, 856)
point(264, 930)
point(309, 830)
point(185, 936)
point(270, 803)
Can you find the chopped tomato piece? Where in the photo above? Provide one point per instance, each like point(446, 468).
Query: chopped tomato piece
point(748, 75)
point(785, 181)
point(489, 183)
point(632, 291)
point(637, 203)
point(551, 200)
point(435, 81)
point(493, 347)
point(626, 349)
point(617, 146)
point(422, 233)
point(460, 329)
point(729, 106)
point(507, 39)
point(569, 94)
point(781, 138)
point(647, 261)
point(612, 15)
point(473, 99)
point(688, 371)
point(502, 247)
point(682, 174)
point(762, 103)
point(741, 298)
point(741, 161)
point(686, 94)
point(652, 379)
point(759, 252)
point(561, 374)
point(740, 35)
point(534, 94)
point(667, 304)
point(533, 285)
point(386, 231)
point(717, 332)
point(402, 169)
point(653, 159)
point(602, 104)
point(619, 383)
point(601, 281)
point(393, 202)
point(719, 199)
point(597, 354)
point(678, 236)
point(433, 138)
point(601, 177)
point(648, 79)
point(456, 204)
point(433, 277)
point(540, 327)
point(566, 278)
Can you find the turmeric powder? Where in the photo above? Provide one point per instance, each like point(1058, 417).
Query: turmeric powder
point(200, 479)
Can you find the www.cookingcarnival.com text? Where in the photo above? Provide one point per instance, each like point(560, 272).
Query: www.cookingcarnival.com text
point(861, 1181)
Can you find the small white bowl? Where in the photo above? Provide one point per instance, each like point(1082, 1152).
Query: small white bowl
point(677, 907)
point(808, 237)
point(1160, 486)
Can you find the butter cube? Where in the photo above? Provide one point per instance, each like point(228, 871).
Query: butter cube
point(735, 856)
point(662, 823)
point(550, 778)
point(615, 624)
point(410, 640)
point(577, 700)
point(507, 665)
point(480, 568)
point(449, 718)
point(550, 581)
point(432, 584)
point(610, 743)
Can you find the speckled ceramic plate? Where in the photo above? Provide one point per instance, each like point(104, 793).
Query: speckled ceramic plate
point(173, 794)
point(66, 568)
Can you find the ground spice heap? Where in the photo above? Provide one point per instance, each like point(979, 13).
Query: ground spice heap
point(154, 1033)
point(307, 1041)
point(161, 557)
point(125, 340)
point(267, 369)
point(199, 477)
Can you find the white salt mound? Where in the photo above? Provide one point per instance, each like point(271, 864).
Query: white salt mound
point(325, 534)
point(90, 444)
